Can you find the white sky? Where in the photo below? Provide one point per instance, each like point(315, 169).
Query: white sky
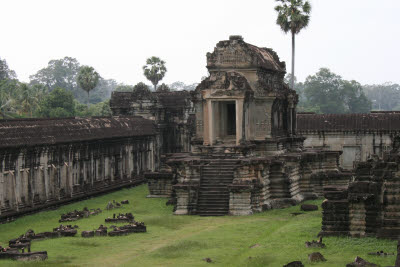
point(358, 39)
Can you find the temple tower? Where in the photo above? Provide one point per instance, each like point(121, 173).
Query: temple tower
point(244, 101)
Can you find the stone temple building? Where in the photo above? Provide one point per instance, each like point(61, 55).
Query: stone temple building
point(245, 153)
point(233, 146)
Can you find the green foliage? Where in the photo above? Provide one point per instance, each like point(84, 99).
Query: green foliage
point(142, 91)
point(87, 79)
point(60, 73)
point(124, 88)
point(186, 240)
point(293, 15)
point(58, 103)
point(384, 96)
point(163, 88)
point(63, 73)
point(154, 70)
point(329, 93)
point(98, 109)
point(8, 95)
point(5, 72)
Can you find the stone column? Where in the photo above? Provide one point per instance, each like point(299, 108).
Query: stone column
point(210, 122)
point(239, 120)
point(206, 124)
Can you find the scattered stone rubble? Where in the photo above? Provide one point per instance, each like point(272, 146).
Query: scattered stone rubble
point(16, 254)
point(127, 217)
point(114, 204)
point(315, 244)
point(294, 264)
point(76, 215)
point(101, 231)
point(380, 253)
point(316, 257)
point(135, 227)
point(360, 262)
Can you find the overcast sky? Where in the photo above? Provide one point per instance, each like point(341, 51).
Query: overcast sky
point(357, 39)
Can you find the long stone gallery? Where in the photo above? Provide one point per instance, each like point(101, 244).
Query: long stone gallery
point(233, 146)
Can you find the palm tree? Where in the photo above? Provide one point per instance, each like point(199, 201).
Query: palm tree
point(88, 79)
point(293, 16)
point(26, 100)
point(154, 70)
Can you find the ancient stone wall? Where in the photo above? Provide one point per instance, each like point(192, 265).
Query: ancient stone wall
point(55, 168)
point(359, 136)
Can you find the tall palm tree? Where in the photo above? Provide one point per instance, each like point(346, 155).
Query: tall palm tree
point(154, 70)
point(88, 79)
point(293, 16)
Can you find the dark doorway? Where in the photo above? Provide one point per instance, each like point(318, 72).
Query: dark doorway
point(231, 118)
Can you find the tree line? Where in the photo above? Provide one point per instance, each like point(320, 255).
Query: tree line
point(55, 91)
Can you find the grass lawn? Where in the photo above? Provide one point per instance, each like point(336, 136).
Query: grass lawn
point(186, 240)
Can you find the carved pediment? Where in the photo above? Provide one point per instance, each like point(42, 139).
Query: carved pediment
point(225, 81)
point(235, 53)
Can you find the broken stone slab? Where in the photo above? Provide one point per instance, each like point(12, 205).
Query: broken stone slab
point(294, 264)
point(125, 201)
point(127, 217)
point(380, 253)
point(315, 244)
point(316, 257)
point(101, 232)
point(87, 234)
point(282, 203)
point(27, 256)
point(360, 262)
point(308, 207)
point(207, 260)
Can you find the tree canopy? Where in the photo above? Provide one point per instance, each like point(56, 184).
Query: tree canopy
point(58, 103)
point(87, 79)
point(154, 70)
point(63, 73)
point(327, 92)
point(5, 71)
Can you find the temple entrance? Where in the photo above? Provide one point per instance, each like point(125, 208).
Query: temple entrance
point(224, 121)
point(231, 119)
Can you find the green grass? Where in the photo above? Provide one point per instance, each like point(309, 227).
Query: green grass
point(186, 240)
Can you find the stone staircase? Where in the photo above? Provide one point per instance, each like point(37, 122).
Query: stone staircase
point(213, 198)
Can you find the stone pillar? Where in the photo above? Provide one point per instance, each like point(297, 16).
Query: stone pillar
point(239, 120)
point(210, 122)
point(206, 123)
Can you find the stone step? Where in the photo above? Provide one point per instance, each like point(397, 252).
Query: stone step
point(217, 182)
point(214, 194)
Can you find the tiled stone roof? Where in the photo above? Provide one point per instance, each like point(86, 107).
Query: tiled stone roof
point(31, 132)
point(235, 53)
point(374, 121)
